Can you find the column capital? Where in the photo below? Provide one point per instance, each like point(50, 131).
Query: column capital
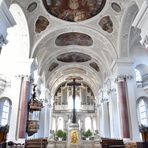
point(25, 77)
point(123, 78)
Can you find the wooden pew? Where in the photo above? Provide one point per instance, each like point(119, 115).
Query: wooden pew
point(36, 143)
point(3, 133)
point(112, 143)
point(3, 145)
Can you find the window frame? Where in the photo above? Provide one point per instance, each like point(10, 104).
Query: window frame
point(8, 112)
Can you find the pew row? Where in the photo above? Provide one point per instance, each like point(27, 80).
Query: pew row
point(112, 143)
point(36, 143)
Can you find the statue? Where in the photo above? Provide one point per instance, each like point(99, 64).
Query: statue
point(97, 136)
point(51, 135)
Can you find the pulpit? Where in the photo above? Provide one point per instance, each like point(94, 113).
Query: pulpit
point(34, 105)
point(32, 127)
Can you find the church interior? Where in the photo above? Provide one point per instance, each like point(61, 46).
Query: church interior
point(73, 73)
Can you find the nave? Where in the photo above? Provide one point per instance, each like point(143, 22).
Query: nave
point(73, 73)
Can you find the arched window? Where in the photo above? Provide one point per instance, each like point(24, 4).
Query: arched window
point(60, 124)
point(87, 123)
point(5, 110)
point(94, 124)
point(138, 75)
point(142, 111)
point(138, 78)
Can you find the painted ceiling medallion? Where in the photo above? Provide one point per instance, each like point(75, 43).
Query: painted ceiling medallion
point(74, 38)
point(73, 57)
point(53, 66)
point(116, 7)
point(106, 24)
point(95, 66)
point(32, 7)
point(74, 10)
point(41, 24)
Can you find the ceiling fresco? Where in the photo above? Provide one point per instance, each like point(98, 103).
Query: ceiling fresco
point(74, 38)
point(74, 10)
point(74, 57)
point(32, 7)
point(41, 24)
point(116, 7)
point(95, 66)
point(106, 24)
point(53, 66)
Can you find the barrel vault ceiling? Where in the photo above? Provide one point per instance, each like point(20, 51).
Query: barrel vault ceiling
point(73, 38)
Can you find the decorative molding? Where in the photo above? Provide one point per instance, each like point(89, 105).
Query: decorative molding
point(104, 100)
point(123, 77)
point(145, 42)
point(120, 78)
point(5, 14)
point(3, 83)
point(141, 23)
point(2, 40)
point(109, 91)
point(26, 77)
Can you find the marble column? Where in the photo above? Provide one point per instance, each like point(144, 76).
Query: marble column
point(24, 98)
point(122, 100)
point(131, 89)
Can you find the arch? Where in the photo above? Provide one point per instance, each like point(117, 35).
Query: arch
point(52, 35)
point(87, 123)
point(97, 57)
point(126, 24)
point(142, 110)
point(138, 75)
point(60, 123)
point(19, 33)
point(55, 79)
point(143, 69)
point(5, 111)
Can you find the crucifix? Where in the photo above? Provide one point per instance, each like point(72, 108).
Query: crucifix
point(74, 84)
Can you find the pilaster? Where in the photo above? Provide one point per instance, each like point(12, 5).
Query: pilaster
point(15, 96)
point(126, 94)
point(23, 111)
point(122, 99)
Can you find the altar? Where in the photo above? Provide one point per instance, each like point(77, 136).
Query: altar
point(82, 144)
point(74, 130)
